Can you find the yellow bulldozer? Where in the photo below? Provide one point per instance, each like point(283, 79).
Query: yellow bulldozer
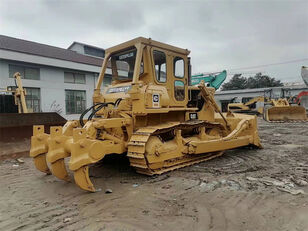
point(150, 112)
point(278, 109)
point(248, 107)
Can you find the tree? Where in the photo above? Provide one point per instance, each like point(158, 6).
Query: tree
point(236, 82)
point(257, 81)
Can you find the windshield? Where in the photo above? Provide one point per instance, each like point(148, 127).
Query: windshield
point(123, 65)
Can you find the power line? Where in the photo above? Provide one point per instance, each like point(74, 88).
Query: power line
point(246, 73)
point(266, 65)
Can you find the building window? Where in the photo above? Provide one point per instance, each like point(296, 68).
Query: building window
point(160, 66)
point(75, 101)
point(178, 64)
point(94, 51)
point(25, 72)
point(33, 98)
point(71, 77)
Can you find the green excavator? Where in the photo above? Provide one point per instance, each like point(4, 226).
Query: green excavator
point(211, 79)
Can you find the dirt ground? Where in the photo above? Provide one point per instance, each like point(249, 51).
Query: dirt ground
point(244, 189)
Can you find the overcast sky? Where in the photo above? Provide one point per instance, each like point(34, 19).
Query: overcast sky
point(231, 35)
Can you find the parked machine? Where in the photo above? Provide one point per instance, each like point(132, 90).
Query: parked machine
point(211, 79)
point(304, 73)
point(17, 93)
point(148, 112)
point(17, 120)
point(278, 109)
point(248, 107)
point(302, 97)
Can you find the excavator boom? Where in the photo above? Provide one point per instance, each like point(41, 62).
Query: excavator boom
point(247, 107)
point(214, 80)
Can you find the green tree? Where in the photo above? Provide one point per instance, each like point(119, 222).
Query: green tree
point(236, 82)
point(260, 81)
point(257, 81)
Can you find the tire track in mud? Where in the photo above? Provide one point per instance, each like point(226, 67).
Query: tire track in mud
point(39, 217)
point(232, 162)
point(227, 210)
point(34, 211)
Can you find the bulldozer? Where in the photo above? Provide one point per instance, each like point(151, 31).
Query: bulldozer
point(248, 107)
point(17, 120)
point(278, 109)
point(149, 112)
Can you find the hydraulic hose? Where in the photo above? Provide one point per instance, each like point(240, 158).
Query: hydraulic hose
point(86, 111)
point(99, 107)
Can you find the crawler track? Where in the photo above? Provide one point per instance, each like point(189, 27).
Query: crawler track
point(138, 156)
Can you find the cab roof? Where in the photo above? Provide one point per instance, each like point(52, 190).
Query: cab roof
point(149, 42)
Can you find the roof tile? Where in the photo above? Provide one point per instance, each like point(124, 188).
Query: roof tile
point(33, 48)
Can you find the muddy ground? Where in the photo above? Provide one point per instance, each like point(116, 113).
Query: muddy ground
point(242, 190)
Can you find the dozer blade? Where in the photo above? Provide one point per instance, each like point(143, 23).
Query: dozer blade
point(286, 113)
point(58, 169)
point(19, 126)
point(41, 164)
point(82, 179)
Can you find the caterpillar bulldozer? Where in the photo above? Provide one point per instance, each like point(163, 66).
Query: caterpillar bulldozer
point(148, 112)
point(279, 109)
point(248, 107)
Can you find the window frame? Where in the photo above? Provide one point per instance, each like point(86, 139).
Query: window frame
point(184, 69)
point(156, 79)
point(27, 98)
point(174, 89)
point(95, 52)
point(116, 68)
point(67, 100)
point(23, 74)
point(74, 77)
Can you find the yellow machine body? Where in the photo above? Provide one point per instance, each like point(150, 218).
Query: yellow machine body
point(247, 107)
point(148, 112)
point(281, 111)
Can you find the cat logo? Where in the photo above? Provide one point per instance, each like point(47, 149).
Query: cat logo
point(193, 116)
point(155, 100)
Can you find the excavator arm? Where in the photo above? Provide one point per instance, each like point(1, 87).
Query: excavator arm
point(213, 80)
point(20, 94)
point(254, 100)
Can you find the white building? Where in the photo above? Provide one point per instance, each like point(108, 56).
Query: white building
point(55, 79)
point(223, 98)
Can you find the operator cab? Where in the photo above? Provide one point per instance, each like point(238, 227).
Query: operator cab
point(158, 69)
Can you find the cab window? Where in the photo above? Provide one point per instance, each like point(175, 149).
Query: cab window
point(160, 66)
point(179, 90)
point(123, 64)
point(178, 65)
